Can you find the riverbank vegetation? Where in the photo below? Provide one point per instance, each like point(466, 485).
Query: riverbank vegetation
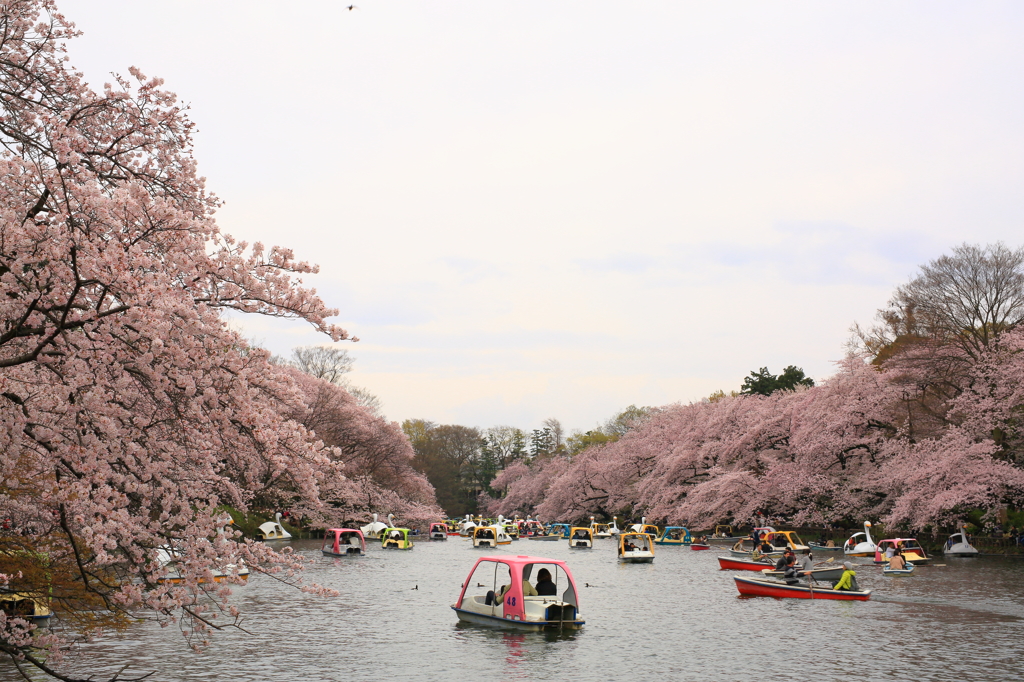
point(920, 425)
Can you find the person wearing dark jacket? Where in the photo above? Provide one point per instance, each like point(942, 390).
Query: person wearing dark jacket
point(545, 588)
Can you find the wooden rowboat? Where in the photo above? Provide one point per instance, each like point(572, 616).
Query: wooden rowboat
point(729, 563)
point(699, 546)
point(764, 587)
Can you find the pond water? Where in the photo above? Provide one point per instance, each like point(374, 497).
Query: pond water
point(679, 618)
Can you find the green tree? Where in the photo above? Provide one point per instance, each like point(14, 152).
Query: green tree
point(764, 382)
point(450, 457)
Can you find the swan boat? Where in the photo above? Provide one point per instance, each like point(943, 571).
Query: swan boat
point(635, 548)
point(504, 604)
point(600, 530)
point(855, 546)
point(374, 528)
point(343, 542)
point(172, 562)
point(959, 545)
point(766, 587)
point(644, 527)
point(273, 530)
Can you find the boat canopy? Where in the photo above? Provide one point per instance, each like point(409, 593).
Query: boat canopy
point(503, 577)
point(343, 540)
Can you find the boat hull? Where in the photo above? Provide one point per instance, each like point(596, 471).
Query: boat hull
point(545, 538)
point(896, 573)
point(728, 563)
point(354, 551)
point(754, 587)
point(823, 548)
point(521, 625)
point(636, 559)
point(697, 548)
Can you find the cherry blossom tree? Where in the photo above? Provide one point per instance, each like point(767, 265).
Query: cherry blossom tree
point(131, 412)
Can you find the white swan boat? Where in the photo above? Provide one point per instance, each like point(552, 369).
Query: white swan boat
point(273, 530)
point(375, 528)
point(856, 546)
point(959, 545)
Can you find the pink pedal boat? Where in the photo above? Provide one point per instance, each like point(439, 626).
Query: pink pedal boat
point(505, 598)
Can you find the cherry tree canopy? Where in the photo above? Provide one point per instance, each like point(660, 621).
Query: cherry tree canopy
point(131, 413)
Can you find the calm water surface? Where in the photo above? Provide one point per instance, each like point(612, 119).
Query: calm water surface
point(679, 618)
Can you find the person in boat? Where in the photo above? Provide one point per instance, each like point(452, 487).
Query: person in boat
point(629, 546)
point(890, 552)
point(528, 589)
point(806, 563)
point(830, 544)
point(780, 541)
point(783, 561)
point(545, 588)
point(897, 562)
point(739, 545)
point(848, 581)
point(766, 547)
point(580, 534)
point(791, 574)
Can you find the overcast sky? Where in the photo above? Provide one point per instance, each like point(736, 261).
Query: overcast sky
point(558, 209)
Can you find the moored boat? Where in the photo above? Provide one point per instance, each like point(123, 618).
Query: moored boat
point(343, 542)
point(959, 544)
point(635, 548)
point(508, 603)
point(766, 587)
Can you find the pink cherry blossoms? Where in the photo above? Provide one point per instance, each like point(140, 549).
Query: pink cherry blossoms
point(842, 451)
point(131, 412)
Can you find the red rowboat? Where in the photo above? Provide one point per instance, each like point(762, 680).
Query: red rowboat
point(764, 587)
point(695, 547)
point(743, 564)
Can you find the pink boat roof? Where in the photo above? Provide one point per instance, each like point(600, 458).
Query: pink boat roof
point(345, 530)
point(521, 561)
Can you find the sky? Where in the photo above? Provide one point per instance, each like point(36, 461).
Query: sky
point(559, 209)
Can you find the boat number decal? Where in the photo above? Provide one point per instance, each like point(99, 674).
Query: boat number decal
point(511, 601)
